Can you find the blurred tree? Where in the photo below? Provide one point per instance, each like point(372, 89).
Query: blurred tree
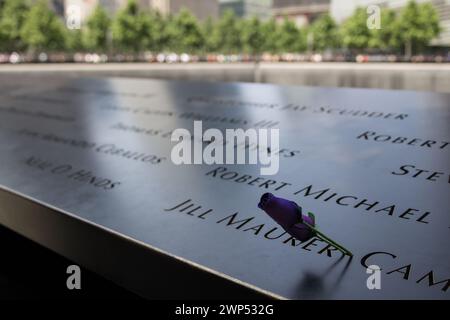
point(228, 33)
point(418, 24)
point(12, 18)
point(301, 42)
point(169, 33)
point(149, 25)
point(160, 33)
point(290, 38)
point(42, 29)
point(386, 38)
point(96, 31)
point(253, 37)
point(129, 28)
point(325, 33)
point(209, 32)
point(354, 31)
point(74, 40)
point(38, 28)
point(270, 36)
point(185, 33)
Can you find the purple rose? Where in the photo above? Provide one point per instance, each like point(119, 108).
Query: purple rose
point(288, 215)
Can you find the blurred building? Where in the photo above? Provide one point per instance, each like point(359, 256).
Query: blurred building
point(248, 8)
point(112, 6)
point(58, 7)
point(302, 12)
point(202, 9)
point(341, 10)
point(86, 7)
point(199, 8)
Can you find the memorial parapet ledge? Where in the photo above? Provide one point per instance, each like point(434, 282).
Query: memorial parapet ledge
point(86, 170)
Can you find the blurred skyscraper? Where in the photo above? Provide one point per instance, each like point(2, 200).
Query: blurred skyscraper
point(58, 7)
point(248, 8)
point(85, 7)
point(112, 6)
point(202, 9)
point(199, 8)
point(302, 12)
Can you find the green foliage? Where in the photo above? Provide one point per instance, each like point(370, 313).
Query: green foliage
point(185, 33)
point(160, 36)
point(270, 35)
point(354, 31)
point(74, 40)
point(42, 29)
point(168, 33)
point(147, 30)
point(228, 33)
point(95, 32)
point(253, 36)
point(290, 38)
point(418, 24)
point(413, 28)
point(386, 38)
point(26, 24)
point(209, 32)
point(325, 33)
point(12, 17)
point(129, 28)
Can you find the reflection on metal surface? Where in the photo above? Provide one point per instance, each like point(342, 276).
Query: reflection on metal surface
point(110, 166)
